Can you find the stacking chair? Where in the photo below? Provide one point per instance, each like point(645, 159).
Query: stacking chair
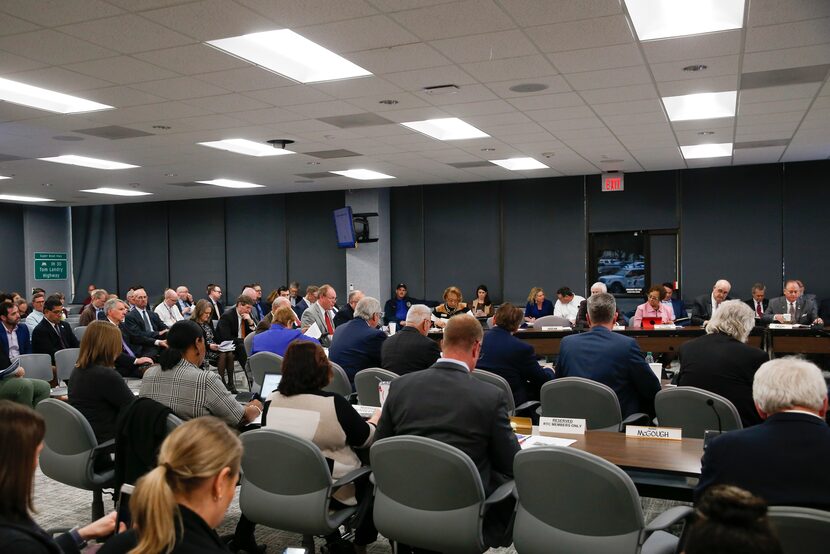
point(339, 383)
point(429, 495)
point(287, 485)
point(65, 362)
point(366, 383)
point(70, 452)
point(573, 501)
point(249, 343)
point(695, 411)
point(263, 362)
point(79, 332)
point(551, 321)
point(37, 366)
point(576, 397)
point(801, 530)
point(500, 382)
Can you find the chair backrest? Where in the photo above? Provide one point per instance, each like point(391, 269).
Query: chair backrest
point(73, 323)
point(366, 384)
point(801, 530)
point(576, 501)
point(689, 409)
point(576, 397)
point(173, 421)
point(551, 321)
point(79, 332)
point(339, 383)
point(37, 366)
point(261, 362)
point(249, 343)
point(428, 494)
point(67, 445)
point(65, 362)
point(500, 382)
point(74, 308)
point(286, 483)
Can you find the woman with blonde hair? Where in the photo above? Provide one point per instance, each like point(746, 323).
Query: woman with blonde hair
point(537, 305)
point(177, 506)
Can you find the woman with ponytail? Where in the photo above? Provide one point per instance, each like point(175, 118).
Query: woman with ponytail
point(177, 506)
point(190, 392)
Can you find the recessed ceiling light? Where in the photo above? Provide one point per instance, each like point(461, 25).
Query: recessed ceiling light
point(705, 133)
point(247, 147)
point(440, 90)
point(519, 164)
point(16, 198)
point(388, 102)
point(117, 192)
point(231, 184)
point(162, 127)
point(656, 19)
point(448, 128)
point(4, 177)
point(45, 99)
point(488, 149)
point(696, 67)
point(312, 163)
point(707, 150)
point(529, 87)
point(83, 161)
point(291, 55)
point(362, 174)
point(704, 105)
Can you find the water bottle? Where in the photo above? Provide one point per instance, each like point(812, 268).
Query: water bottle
point(649, 358)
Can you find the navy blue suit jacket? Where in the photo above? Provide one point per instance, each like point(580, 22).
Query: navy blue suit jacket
point(783, 460)
point(515, 360)
point(23, 340)
point(356, 346)
point(614, 360)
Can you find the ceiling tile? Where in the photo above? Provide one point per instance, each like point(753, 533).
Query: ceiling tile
point(288, 96)
point(486, 47)
point(786, 58)
point(266, 116)
point(590, 59)
point(635, 75)
point(121, 97)
point(555, 84)
point(794, 105)
point(703, 84)
point(770, 12)
point(454, 20)
point(245, 79)
point(122, 70)
point(511, 68)
point(769, 154)
point(715, 67)
point(53, 48)
point(227, 103)
point(619, 94)
point(698, 46)
point(11, 63)
point(403, 99)
point(465, 94)
point(59, 12)
point(179, 88)
point(355, 88)
point(353, 35)
point(205, 122)
point(563, 100)
point(557, 125)
point(324, 109)
point(293, 13)
point(11, 25)
point(770, 94)
point(56, 78)
point(593, 33)
point(788, 35)
point(620, 108)
point(126, 34)
point(541, 12)
point(432, 77)
point(210, 19)
point(405, 57)
point(558, 114)
point(192, 59)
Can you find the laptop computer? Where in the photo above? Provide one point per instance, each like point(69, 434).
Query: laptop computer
point(270, 382)
point(650, 322)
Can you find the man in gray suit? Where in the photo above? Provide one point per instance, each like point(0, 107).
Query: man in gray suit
point(446, 403)
point(322, 313)
point(800, 309)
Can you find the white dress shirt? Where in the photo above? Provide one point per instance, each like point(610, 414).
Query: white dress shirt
point(32, 320)
point(569, 310)
point(168, 314)
point(14, 345)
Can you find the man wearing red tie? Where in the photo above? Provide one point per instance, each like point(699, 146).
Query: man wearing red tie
point(322, 313)
point(758, 302)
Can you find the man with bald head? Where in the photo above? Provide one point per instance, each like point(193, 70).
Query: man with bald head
point(168, 309)
point(706, 304)
point(185, 301)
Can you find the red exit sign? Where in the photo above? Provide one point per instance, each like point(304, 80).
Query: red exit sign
point(613, 182)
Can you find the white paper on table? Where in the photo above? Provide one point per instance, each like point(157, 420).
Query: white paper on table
point(314, 331)
point(529, 441)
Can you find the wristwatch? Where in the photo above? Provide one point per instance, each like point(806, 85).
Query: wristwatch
point(76, 536)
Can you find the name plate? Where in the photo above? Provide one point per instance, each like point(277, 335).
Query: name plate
point(781, 326)
point(555, 328)
point(568, 425)
point(665, 326)
point(659, 433)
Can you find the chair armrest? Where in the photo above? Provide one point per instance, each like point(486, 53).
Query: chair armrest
point(107, 447)
point(504, 491)
point(669, 518)
point(527, 405)
point(351, 476)
point(635, 419)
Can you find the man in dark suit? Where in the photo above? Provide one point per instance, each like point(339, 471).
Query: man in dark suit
point(721, 361)
point(609, 358)
point(356, 345)
point(800, 309)
point(582, 312)
point(446, 403)
point(309, 299)
point(185, 301)
point(16, 387)
point(145, 330)
point(214, 296)
point(677, 305)
point(706, 304)
point(824, 310)
point(235, 325)
point(15, 341)
point(52, 333)
point(783, 459)
point(127, 364)
point(346, 313)
point(409, 349)
point(758, 303)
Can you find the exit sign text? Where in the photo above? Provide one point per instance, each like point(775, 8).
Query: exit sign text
point(613, 182)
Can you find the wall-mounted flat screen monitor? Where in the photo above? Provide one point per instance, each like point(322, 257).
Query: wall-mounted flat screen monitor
point(619, 261)
point(344, 227)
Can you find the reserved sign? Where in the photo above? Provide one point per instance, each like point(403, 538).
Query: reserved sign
point(561, 425)
point(659, 433)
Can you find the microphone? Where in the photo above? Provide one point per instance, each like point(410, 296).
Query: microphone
point(711, 404)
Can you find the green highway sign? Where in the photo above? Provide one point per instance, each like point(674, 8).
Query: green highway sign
point(50, 266)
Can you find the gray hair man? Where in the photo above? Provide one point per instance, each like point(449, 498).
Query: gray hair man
point(357, 343)
point(347, 312)
point(582, 313)
point(410, 349)
point(95, 310)
point(707, 304)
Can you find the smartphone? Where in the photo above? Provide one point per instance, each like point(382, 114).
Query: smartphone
point(123, 507)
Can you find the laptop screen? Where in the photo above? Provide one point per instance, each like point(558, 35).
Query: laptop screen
point(270, 382)
point(650, 322)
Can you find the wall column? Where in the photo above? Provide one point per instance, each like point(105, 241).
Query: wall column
point(369, 266)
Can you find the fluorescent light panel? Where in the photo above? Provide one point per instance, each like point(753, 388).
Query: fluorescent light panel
point(16, 198)
point(291, 55)
point(231, 184)
point(657, 19)
point(83, 161)
point(696, 151)
point(704, 105)
point(362, 174)
point(247, 147)
point(448, 128)
point(519, 164)
point(117, 192)
point(4, 177)
point(45, 99)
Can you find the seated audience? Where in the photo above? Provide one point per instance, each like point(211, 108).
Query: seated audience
point(357, 344)
point(130, 297)
point(235, 325)
point(309, 299)
point(321, 312)
point(15, 386)
point(214, 296)
point(482, 306)
point(145, 329)
point(223, 361)
point(95, 388)
point(36, 315)
point(782, 459)
point(15, 341)
point(567, 304)
point(185, 301)
point(181, 385)
point(250, 292)
point(653, 307)
point(22, 307)
point(347, 312)
point(53, 333)
point(94, 311)
point(731, 520)
point(410, 349)
point(678, 309)
point(176, 507)
point(280, 332)
point(759, 302)
point(260, 307)
point(537, 305)
point(453, 305)
point(293, 293)
point(582, 314)
point(609, 358)
point(276, 304)
point(127, 363)
point(792, 307)
point(512, 358)
point(168, 309)
point(705, 305)
point(25, 429)
point(90, 289)
point(721, 361)
point(395, 309)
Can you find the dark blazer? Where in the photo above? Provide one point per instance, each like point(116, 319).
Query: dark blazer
point(614, 360)
point(23, 340)
point(722, 365)
point(300, 307)
point(532, 311)
point(356, 346)
point(446, 403)
point(25, 537)
point(783, 461)
point(228, 327)
point(805, 310)
point(751, 304)
point(125, 363)
point(142, 341)
point(824, 311)
point(45, 340)
point(344, 315)
point(582, 316)
point(702, 308)
point(407, 351)
point(99, 393)
point(515, 360)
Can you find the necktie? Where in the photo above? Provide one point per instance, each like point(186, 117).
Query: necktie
point(758, 309)
point(329, 328)
point(792, 311)
point(147, 323)
point(60, 336)
point(125, 347)
point(243, 329)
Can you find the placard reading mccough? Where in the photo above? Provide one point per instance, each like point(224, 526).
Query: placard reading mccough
point(660, 433)
point(561, 425)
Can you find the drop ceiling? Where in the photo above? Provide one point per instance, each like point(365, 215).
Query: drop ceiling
point(599, 106)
